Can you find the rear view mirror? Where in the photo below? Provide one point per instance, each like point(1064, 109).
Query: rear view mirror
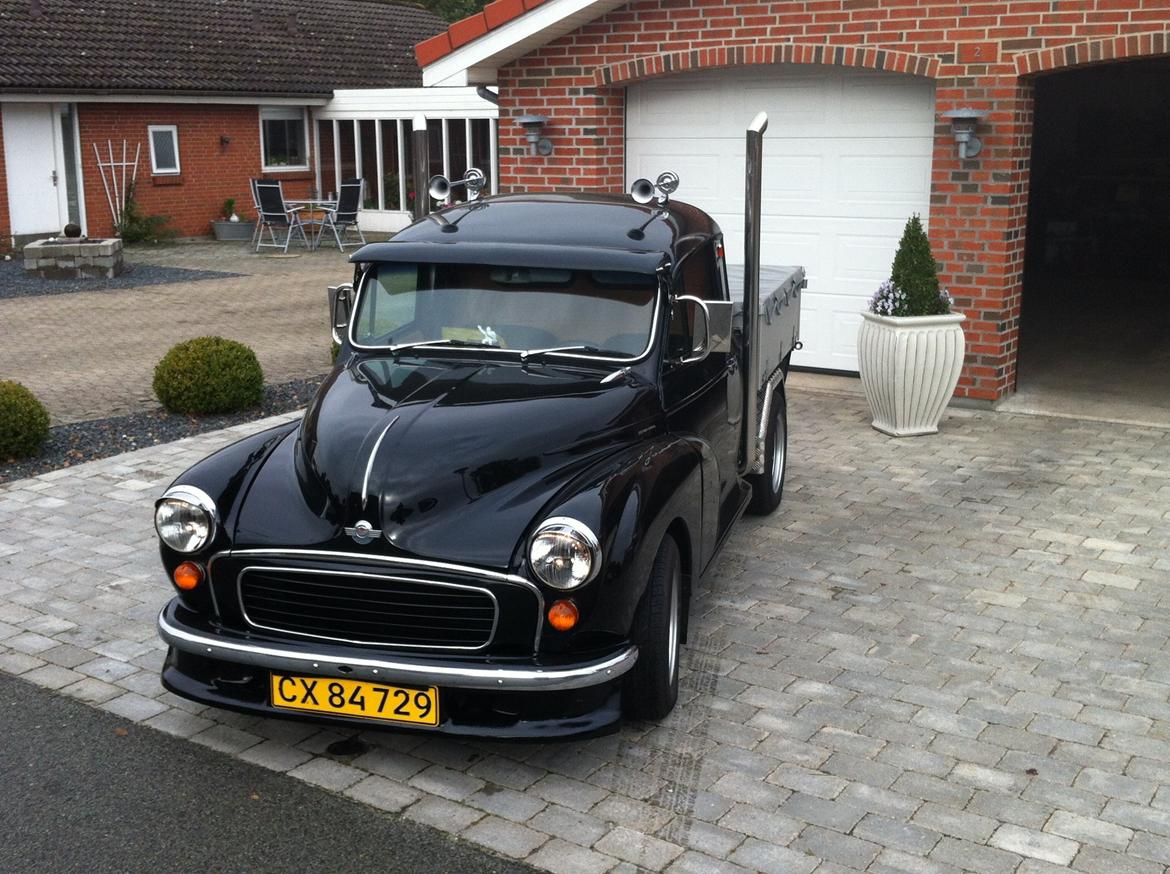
point(340, 303)
point(701, 340)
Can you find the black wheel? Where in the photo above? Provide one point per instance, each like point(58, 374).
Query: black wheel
point(651, 687)
point(768, 487)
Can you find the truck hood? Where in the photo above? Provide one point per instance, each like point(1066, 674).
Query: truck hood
point(451, 460)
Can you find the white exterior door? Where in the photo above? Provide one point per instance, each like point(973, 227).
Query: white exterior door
point(847, 159)
point(35, 160)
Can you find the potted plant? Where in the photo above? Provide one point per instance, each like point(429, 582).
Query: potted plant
point(229, 226)
point(910, 346)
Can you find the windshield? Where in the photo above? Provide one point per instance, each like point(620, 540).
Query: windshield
point(600, 314)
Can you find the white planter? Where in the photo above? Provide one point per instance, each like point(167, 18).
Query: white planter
point(909, 367)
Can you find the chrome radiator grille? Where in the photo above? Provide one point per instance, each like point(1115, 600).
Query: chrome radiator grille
point(371, 609)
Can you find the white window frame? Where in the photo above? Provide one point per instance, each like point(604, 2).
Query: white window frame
point(173, 129)
point(283, 113)
point(404, 131)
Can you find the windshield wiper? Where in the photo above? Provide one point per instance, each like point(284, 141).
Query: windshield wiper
point(536, 355)
point(405, 347)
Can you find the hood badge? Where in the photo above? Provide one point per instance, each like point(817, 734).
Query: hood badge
point(363, 532)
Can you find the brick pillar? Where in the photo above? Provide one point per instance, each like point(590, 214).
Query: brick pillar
point(978, 215)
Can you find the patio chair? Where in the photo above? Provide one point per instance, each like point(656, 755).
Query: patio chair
point(274, 214)
point(343, 218)
point(258, 224)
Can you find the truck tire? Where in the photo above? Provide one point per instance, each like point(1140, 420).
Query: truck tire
point(651, 687)
point(768, 487)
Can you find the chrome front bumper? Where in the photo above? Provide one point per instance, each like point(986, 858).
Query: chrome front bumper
point(432, 672)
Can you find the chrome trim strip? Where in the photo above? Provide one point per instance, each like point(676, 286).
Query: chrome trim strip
point(761, 437)
point(370, 463)
point(443, 566)
point(286, 570)
point(275, 657)
point(385, 559)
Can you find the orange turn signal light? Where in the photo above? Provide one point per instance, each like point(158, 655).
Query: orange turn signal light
point(563, 615)
point(188, 575)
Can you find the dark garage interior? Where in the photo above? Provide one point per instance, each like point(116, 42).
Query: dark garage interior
point(1095, 321)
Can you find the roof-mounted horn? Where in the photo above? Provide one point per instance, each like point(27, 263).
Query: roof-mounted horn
point(643, 190)
point(440, 186)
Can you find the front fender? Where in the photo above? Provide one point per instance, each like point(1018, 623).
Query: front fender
point(629, 501)
point(225, 476)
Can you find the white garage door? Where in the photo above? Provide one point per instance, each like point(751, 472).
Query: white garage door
point(846, 161)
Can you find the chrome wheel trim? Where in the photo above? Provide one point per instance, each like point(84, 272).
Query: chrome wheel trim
point(672, 631)
point(778, 455)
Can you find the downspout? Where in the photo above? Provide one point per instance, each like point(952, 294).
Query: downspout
point(751, 287)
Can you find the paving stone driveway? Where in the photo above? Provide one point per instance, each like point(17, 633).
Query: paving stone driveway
point(941, 654)
point(92, 354)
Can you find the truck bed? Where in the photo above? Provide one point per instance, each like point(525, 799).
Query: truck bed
point(780, 289)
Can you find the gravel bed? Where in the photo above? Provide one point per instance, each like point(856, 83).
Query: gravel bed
point(14, 282)
point(86, 441)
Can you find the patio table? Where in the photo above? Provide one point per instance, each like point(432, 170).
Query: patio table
point(310, 208)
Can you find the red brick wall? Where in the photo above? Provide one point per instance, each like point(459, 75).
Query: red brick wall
point(211, 171)
point(5, 221)
point(979, 54)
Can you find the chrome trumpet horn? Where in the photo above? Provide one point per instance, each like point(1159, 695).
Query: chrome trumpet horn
point(644, 191)
point(440, 186)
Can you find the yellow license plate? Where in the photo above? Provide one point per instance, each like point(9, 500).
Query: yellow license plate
point(356, 698)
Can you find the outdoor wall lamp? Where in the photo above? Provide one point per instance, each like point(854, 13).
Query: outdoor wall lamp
point(533, 125)
point(224, 140)
point(963, 122)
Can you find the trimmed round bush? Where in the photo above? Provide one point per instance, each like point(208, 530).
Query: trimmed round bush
point(209, 375)
point(24, 423)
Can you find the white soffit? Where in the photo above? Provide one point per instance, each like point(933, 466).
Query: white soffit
point(408, 102)
point(476, 62)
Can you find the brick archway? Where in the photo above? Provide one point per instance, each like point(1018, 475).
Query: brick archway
point(1117, 48)
point(623, 73)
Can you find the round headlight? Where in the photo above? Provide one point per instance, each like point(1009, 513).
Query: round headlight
point(564, 553)
point(185, 519)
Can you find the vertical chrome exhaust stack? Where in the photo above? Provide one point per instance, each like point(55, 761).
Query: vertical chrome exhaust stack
point(751, 283)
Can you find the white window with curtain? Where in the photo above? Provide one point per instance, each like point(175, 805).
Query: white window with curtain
point(164, 149)
point(284, 138)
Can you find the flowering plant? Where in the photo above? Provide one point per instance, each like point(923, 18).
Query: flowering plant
point(889, 300)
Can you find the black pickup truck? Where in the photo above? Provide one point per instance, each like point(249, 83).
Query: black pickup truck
point(546, 415)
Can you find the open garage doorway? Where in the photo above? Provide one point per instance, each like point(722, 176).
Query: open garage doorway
point(1095, 320)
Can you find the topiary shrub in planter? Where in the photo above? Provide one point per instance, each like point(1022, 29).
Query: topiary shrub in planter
point(910, 345)
point(24, 423)
point(209, 375)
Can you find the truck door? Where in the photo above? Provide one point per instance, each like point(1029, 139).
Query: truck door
point(696, 393)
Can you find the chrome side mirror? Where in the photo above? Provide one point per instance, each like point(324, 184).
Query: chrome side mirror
point(699, 349)
point(340, 304)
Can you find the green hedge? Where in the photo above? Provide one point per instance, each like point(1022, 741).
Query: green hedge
point(209, 375)
point(24, 423)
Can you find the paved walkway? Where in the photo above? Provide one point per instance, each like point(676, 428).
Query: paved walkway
point(92, 354)
point(941, 654)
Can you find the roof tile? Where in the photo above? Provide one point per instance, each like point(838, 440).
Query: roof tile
point(430, 50)
point(502, 11)
point(467, 29)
